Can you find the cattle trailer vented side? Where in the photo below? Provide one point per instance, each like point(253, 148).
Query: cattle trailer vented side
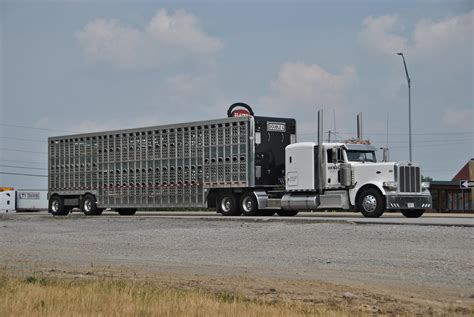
point(180, 165)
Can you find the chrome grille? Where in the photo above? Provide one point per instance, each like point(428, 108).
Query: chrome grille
point(409, 179)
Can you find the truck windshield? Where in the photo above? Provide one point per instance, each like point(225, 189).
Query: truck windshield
point(361, 156)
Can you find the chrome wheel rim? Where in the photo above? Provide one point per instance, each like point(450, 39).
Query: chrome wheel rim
point(369, 203)
point(55, 205)
point(226, 204)
point(247, 204)
point(88, 205)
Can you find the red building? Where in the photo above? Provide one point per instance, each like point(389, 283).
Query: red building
point(448, 195)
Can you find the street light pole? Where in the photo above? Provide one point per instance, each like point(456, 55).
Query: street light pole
point(409, 106)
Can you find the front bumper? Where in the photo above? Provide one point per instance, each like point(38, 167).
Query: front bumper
point(399, 202)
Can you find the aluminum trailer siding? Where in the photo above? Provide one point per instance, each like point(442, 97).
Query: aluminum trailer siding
point(178, 165)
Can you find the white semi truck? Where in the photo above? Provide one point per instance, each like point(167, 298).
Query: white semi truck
point(243, 164)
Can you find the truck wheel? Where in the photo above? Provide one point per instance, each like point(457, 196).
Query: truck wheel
point(126, 211)
point(287, 213)
point(370, 203)
point(56, 206)
point(227, 205)
point(89, 206)
point(413, 213)
point(248, 205)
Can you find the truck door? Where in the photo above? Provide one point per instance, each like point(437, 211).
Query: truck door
point(332, 167)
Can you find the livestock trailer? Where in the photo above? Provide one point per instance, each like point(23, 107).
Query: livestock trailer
point(177, 165)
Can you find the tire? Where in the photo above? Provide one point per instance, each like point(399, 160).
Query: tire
point(126, 211)
point(370, 203)
point(89, 206)
point(227, 205)
point(248, 205)
point(56, 206)
point(413, 213)
point(287, 213)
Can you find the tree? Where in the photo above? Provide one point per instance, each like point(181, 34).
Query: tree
point(426, 179)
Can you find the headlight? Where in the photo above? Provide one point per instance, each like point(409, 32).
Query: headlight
point(390, 185)
point(425, 185)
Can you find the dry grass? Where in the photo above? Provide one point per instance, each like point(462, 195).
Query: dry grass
point(39, 296)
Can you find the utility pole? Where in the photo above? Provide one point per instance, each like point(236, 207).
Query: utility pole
point(409, 106)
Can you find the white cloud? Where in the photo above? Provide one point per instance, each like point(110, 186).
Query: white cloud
point(182, 31)
point(299, 89)
point(429, 38)
point(299, 84)
point(377, 35)
point(166, 39)
point(449, 34)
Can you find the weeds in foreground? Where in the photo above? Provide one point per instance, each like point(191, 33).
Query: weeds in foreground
point(42, 296)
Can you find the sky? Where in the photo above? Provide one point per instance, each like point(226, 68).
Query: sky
point(84, 66)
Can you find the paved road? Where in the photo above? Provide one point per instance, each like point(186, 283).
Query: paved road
point(466, 220)
point(311, 247)
point(429, 219)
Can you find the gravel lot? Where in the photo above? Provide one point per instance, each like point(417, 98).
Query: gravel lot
point(407, 256)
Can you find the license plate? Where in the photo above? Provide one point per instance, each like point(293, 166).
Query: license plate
point(411, 205)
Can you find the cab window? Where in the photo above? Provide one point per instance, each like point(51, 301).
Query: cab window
point(329, 156)
point(361, 156)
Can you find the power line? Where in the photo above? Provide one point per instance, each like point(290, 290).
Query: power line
point(430, 145)
point(429, 133)
point(25, 167)
point(23, 174)
point(26, 162)
point(35, 128)
point(22, 139)
point(23, 151)
point(421, 142)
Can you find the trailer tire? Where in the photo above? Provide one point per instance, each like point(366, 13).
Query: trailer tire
point(56, 206)
point(227, 205)
point(370, 203)
point(287, 213)
point(126, 211)
point(248, 205)
point(89, 206)
point(413, 213)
